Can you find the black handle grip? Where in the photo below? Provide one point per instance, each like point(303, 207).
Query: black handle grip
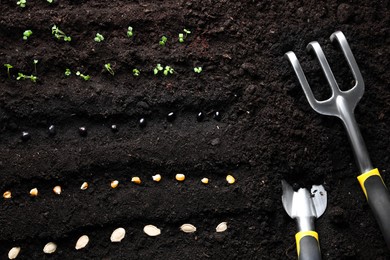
point(378, 198)
point(308, 246)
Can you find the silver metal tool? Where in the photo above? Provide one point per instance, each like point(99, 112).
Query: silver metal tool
point(342, 105)
point(305, 207)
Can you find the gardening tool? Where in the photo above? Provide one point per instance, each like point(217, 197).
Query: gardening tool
point(305, 207)
point(342, 105)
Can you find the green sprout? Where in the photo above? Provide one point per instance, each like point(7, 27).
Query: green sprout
point(163, 40)
point(168, 70)
point(99, 37)
point(50, 1)
point(8, 66)
point(67, 72)
point(24, 77)
point(60, 34)
point(129, 31)
point(21, 3)
point(198, 69)
point(157, 69)
point(182, 36)
point(85, 77)
point(109, 69)
point(136, 72)
point(35, 66)
point(26, 34)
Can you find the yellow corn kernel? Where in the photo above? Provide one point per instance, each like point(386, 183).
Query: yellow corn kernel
point(84, 186)
point(57, 190)
point(136, 180)
point(7, 194)
point(205, 180)
point(180, 177)
point(230, 179)
point(34, 192)
point(156, 177)
point(114, 184)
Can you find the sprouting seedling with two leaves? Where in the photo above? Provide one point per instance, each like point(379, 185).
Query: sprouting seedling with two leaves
point(60, 34)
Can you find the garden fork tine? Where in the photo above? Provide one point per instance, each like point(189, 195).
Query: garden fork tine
point(342, 105)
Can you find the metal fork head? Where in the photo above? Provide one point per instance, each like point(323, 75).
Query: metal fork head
point(351, 97)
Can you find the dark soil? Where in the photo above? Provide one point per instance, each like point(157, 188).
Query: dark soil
point(267, 131)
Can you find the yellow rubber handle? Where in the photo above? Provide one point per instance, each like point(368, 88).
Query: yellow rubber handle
point(378, 197)
point(302, 234)
point(363, 177)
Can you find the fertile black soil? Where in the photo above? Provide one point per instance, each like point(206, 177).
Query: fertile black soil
point(267, 131)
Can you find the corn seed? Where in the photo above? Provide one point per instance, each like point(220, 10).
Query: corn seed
point(114, 184)
point(57, 190)
point(136, 180)
point(34, 192)
point(205, 180)
point(156, 177)
point(7, 195)
point(180, 177)
point(84, 186)
point(230, 179)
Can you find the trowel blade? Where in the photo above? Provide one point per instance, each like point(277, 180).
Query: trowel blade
point(304, 203)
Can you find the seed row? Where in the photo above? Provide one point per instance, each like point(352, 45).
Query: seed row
point(114, 184)
point(116, 237)
point(83, 131)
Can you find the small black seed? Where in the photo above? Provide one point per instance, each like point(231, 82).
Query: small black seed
point(52, 130)
point(217, 116)
point(171, 117)
point(83, 131)
point(25, 136)
point(200, 117)
point(142, 122)
point(114, 128)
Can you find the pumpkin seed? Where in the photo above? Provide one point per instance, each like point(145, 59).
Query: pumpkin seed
point(152, 231)
point(118, 235)
point(82, 242)
point(13, 253)
point(221, 227)
point(50, 248)
point(188, 228)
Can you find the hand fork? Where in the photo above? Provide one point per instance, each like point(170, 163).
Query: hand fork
point(342, 105)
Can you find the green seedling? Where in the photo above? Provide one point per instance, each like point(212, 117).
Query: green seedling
point(99, 37)
point(198, 69)
point(157, 69)
point(129, 31)
point(107, 66)
point(24, 77)
point(21, 3)
point(67, 72)
point(50, 1)
point(163, 40)
point(168, 70)
point(136, 72)
point(85, 77)
point(35, 66)
point(8, 66)
point(182, 36)
point(60, 34)
point(26, 34)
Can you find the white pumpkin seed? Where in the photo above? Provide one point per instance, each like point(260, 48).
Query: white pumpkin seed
point(82, 242)
point(50, 248)
point(13, 253)
point(221, 227)
point(118, 235)
point(152, 231)
point(188, 228)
